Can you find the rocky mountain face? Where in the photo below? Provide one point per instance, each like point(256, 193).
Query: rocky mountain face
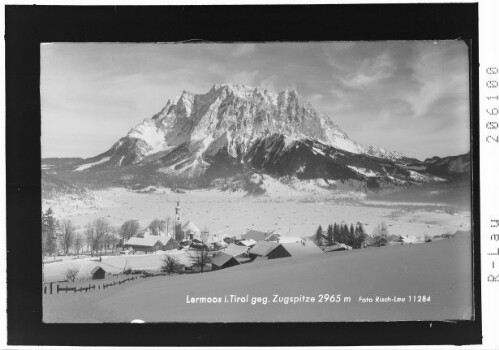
point(235, 129)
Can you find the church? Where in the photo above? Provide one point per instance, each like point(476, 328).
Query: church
point(187, 231)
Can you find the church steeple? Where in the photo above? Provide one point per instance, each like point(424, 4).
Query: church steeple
point(178, 223)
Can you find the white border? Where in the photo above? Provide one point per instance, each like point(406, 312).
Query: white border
point(489, 166)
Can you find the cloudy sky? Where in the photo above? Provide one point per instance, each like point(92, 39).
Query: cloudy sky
point(411, 96)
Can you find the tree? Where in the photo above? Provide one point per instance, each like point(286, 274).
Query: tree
point(67, 234)
point(168, 221)
point(336, 233)
point(330, 234)
point(156, 226)
point(102, 229)
point(360, 237)
point(318, 236)
point(170, 265)
point(129, 229)
point(77, 244)
point(380, 234)
point(110, 240)
point(200, 257)
point(95, 233)
point(49, 233)
point(205, 234)
point(351, 236)
point(71, 274)
point(90, 238)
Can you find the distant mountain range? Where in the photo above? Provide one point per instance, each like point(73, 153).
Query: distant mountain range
point(233, 132)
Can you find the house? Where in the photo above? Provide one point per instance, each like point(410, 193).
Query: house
point(222, 261)
point(236, 250)
point(191, 231)
point(262, 249)
point(98, 273)
point(148, 244)
point(257, 235)
point(197, 244)
point(304, 248)
point(169, 243)
point(274, 237)
point(247, 242)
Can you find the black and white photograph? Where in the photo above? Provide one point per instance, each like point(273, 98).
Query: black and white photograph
point(284, 181)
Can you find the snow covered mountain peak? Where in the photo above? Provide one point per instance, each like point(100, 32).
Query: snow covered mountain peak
point(232, 117)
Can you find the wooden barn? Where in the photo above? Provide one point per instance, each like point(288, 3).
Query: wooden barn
point(222, 261)
point(262, 249)
point(236, 250)
point(148, 244)
point(98, 273)
point(170, 244)
point(286, 250)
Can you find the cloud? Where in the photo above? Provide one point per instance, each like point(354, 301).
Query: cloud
point(243, 50)
point(410, 96)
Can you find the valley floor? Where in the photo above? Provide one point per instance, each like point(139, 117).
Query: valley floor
point(440, 270)
point(293, 213)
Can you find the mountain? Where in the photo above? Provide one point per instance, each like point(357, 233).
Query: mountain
point(234, 131)
point(231, 116)
point(454, 165)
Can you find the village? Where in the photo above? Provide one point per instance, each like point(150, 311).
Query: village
point(182, 248)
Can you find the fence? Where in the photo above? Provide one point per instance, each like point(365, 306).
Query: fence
point(48, 288)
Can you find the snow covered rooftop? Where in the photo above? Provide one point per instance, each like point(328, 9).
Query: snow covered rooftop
point(221, 258)
point(147, 241)
point(236, 250)
point(248, 242)
point(263, 248)
point(302, 248)
point(257, 235)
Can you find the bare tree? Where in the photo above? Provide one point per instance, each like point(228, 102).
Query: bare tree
point(102, 229)
point(205, 234)
point(129, 229)
point(90, 237)
point(71, 274)
point(111, 240)
point(67, 234)
point(77, 244)
point(95, 233)
point(201, 256)
point(170, 265)
point(380, 234)
point(156, 226)
point(168, 221)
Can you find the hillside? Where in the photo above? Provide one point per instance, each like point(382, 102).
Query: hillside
point(441, 270)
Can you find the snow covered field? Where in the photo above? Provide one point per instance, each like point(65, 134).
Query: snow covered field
point(440, 271)
point(292, 212)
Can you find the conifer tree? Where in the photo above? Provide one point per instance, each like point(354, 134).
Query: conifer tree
point(49, 233)
point(360, 236)
point(318, 235)
point(330, 235)
point(344, 234)
point(336, 233)
point(351, 236)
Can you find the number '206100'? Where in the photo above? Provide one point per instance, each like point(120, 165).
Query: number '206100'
point(494, 111)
